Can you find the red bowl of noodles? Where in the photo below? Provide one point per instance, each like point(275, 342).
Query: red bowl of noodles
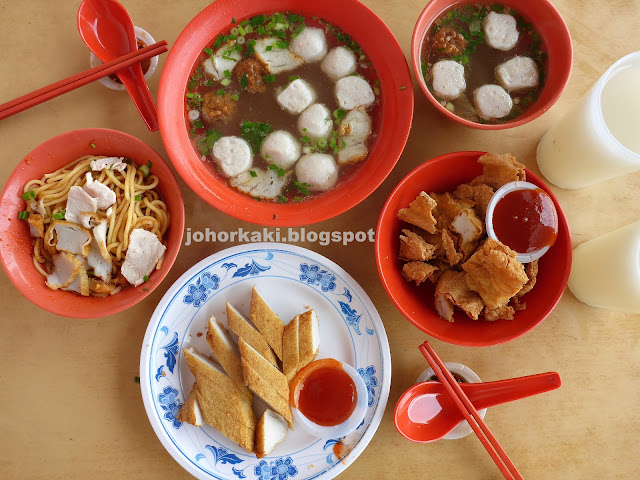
point(16, 249)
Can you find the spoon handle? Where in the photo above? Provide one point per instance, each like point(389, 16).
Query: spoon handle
point(133, 80)
point(488, 394)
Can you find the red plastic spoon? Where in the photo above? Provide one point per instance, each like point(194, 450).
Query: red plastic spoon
point(107, 29)
point(426, 413)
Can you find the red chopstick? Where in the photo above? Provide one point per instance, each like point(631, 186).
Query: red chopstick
point(470, 413)
point(63, 86)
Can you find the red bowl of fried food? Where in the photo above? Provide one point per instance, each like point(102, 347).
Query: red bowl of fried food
point(16, 245)
point(526, 296)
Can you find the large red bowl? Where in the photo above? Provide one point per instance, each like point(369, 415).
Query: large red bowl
point(397, 108)
point(416, 303)
point(554, 32)
point(15, 242)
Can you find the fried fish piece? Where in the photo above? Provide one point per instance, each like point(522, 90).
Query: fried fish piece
point(442, 266)
point(414, 247)
point(452, 285)
point(531, 269)
point(498, 170)
point(495, 273)
point(434, 239)
point(447, 208)
point(420, 213)
point(470, 229)
point(479, 194)
point(417, 271)
point(503, 312)
point(453, 255)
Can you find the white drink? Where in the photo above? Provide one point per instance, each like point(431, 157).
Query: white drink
point(599, 138)
point(605, 271)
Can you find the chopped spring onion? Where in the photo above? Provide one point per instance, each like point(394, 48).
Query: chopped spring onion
point(269, 48)
point(244, 81)
point(241, 30)
point(240, 41)
point(322, 143)
point(269, 78)
point(227, 73)
point(235, 97)
point(282, 199)
point(225, 82)
point(23, 215)
point(146, 169)
point(220, 92)
point(253, 173)
point(58, 216)
point(30, 195)
point(402, 87)
point(293, 77)
point(234, 31)
point(233, 19)
point(146, 278)
point(339, 113)
point(208, 51)
point(93, 145)
point(138, 198)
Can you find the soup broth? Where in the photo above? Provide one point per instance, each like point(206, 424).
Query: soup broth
point(246, 104)
point(467, 45)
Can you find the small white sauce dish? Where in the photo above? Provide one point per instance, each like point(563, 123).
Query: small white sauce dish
point(141, 35)
point(349, 425)
point(462, 429)
point(499, 195)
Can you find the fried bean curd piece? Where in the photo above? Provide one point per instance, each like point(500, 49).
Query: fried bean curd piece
point(443, 266)
point(414, 247)
point(447, 42)
point(447, 208)
point(503, 312)
point(218, 108)
point(531, 269)
point(452, 285)
point(499, 169)
point(495, 273)
point(420, 213)
point(254, 71)
point(470, 229)
point(517, 304)
point(479, 194)
point(449, 241)
point(417, 271)
point(434, 239)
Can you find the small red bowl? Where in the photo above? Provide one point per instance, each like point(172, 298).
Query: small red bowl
point(396, 113)
point(416, 303)
point(15, 242)
point(555, 36)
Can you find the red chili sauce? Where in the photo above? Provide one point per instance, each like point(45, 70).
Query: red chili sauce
point(324, 393)
point(526, 220)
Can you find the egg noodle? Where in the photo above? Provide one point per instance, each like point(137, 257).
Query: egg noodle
point(137, 205)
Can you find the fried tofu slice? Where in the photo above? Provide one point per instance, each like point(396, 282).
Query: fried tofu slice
point(531, 269)
point(272, 376)
point(434, 239)
point(479, 194)
point(418, 271)
point(290, 349)
point(452, 285)
point(227, 354)
point(498, 170)
point(449, 242)
point(190, 411)
point(272, 430)
point(447, 208)
point(495, 273)
point(262, 389)
point(308, 337)
point(241, 327)
point(420, 213)
point(414, 248)
point(503, 312)
point(267, 322)
point(467, 225)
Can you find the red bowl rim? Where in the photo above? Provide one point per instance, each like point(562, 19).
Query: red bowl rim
point(385, 212)
point(416, 44)
point(74, 305)
point(398, 104)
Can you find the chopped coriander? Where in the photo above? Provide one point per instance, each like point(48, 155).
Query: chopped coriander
point(269, 78)
point(254, 133)
point(30, 195)
point(197, 124)
point(59, 215)
point(297, 198)
point(192, 83)
point(305, 139)
point(282, 199)
point(23, 215)
point(233, 19)
point(282, 44)
point(205, 144)
point(293, 77)
point(258, 20)
point(227, 73)
point(253, 173)
point(239, 48)
point(136, 379)
point(302, 187)
point(208, 51)
point(220, 92)
point(209, 82)
point(251, 43)
point(235, 97)
point(138, 198)
point(269, 48)
point(275, 168)
point(244, 81)
point(219, 41)
point(260, 30)
point(146, 278)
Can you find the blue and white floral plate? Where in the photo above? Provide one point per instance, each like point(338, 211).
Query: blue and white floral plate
point(291, 279)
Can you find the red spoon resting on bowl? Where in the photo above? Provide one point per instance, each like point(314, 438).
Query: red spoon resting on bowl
point(426, 413)
point(107, 29)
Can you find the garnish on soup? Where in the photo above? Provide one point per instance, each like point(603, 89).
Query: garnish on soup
point(284, 106)
point(483, 62)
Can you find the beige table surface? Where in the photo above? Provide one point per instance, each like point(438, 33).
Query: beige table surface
point(70, 408)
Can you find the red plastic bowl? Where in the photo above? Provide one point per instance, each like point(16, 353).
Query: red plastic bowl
point(397, 109)
point(416, 303)
point(15, 242)
point(556, 39)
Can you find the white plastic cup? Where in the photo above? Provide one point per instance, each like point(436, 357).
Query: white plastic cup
point(605, 271)
point(463, 428)
point(580, 150)
point(145, 37)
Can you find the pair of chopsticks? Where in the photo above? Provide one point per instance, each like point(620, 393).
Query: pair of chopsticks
point(470, 413)
point(63, 86)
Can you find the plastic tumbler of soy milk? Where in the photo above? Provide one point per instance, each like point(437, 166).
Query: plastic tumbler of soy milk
point(598, 138)
point(605, 271)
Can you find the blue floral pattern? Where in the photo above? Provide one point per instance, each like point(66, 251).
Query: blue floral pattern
point(369, 376)
point(222, 455)
point(171, 352)
point(314, 276)
point(281, 469)
point(169, 402)
point(199, 291)
point(252, 268)
point(352, 317)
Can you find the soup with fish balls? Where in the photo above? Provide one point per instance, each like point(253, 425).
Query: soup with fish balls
point(286, 89)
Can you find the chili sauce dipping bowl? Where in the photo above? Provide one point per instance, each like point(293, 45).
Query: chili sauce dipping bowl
point(393, 119)
point(556, 42)
point(15, 242)
point(416, 303)
point(341, 429)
